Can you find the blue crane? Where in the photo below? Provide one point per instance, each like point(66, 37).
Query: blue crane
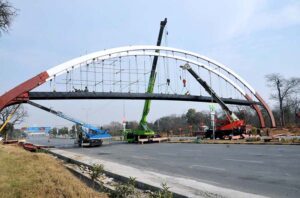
point(92, 136)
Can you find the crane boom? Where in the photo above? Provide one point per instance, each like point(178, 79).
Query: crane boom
point(210, 91)
point(102, 134)
point(143, 122)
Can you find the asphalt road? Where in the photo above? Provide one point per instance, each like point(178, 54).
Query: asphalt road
point(271, 170)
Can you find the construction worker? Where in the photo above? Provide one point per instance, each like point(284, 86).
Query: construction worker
point(80, 139)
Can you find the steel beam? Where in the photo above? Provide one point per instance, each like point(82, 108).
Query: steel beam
point(131, 96)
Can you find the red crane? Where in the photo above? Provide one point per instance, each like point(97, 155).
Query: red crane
point(233, 125)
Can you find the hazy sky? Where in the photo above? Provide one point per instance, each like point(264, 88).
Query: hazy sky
point(254, 38)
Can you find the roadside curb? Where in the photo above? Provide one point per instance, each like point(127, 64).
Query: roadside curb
point(152, 180)
point(93, 184)
point(139, 184)
point(227, 143)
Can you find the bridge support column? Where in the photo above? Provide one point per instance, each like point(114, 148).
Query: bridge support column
point(258, 111)
point(269, 111)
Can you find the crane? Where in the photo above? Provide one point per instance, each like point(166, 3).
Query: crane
point(93, 136)
point(235, 125)
point(144, 131)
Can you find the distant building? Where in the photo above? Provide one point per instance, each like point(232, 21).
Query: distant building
point(36, 130)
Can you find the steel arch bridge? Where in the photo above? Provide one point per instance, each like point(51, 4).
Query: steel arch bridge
point(121, 73)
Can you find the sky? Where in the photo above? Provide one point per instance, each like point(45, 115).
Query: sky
point(254, 38)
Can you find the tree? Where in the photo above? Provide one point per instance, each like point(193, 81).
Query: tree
point(63, 131)
point(7, 13)
point(17, 118)
point(285, 88)
point(72, 131)
point(293, 107)
point(191, 116)
point(132, 125)
point(53, 132)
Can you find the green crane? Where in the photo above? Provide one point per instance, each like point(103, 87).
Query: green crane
point(144, 131)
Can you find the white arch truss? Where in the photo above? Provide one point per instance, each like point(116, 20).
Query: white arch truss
point(20, 92)
point(148, 50)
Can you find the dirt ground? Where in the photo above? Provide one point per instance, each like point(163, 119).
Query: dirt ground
point(26, 174)
point(285, 131)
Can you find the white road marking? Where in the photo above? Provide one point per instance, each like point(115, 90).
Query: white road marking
point(208, 167)
point(248, 161)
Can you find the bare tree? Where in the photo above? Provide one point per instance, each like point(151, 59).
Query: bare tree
point(18, 116)
point(293, 105)
point(7, 13)
point(285, 88)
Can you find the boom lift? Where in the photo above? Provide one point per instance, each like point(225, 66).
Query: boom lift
point(144, 132)
point(91, 136)
point(233, 125)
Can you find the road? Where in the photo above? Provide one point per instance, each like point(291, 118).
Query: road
point(270, 170)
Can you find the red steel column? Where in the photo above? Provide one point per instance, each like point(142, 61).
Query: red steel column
point(19, 94)
point(269, 111)
point(258, 111)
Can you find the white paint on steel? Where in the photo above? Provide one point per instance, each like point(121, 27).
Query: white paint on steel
point(152, 53)
point(142, 49)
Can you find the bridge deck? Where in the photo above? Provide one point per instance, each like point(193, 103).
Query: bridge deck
point(131, 96)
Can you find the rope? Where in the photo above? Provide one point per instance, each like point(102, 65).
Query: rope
point(137, 73)
point(87, 77)
point(54, 85)
point(95, 76)
point(220, 90)
point(166, 35)
point(72, 73)
point(51, 84)
point(102, 63)
point(129, 75)
point(178, 75)
point(166, 75)
point(80, 77)
point(158, 76)
point(199, 75)
point(145, 74)
point(210, 82)
point(67, 76)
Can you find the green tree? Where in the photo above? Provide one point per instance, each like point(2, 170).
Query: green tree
point(63, 131)
point(191, 116)
point(53, 132)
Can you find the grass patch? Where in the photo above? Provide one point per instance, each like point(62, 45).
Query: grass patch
point(25, 174)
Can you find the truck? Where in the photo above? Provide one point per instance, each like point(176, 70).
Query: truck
point(89, 136)
point(225, 128)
